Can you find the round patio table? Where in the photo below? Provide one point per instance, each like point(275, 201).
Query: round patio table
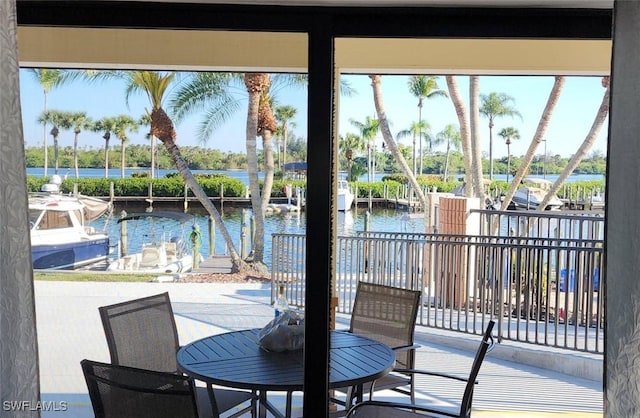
point(236, 360)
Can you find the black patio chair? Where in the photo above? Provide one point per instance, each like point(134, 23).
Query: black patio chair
point(142, 333)
point(128, 392)
point(388, 314)
point(380, 409)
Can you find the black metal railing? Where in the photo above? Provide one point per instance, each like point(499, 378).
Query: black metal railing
point(543, 289)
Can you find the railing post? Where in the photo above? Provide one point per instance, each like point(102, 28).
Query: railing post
point(186, 198)
point(123, 235)
point(150, 198)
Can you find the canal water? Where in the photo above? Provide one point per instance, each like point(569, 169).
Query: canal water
point(149, 230)
point(139, 232)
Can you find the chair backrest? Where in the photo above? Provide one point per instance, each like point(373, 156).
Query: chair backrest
point(485, 345)
point(386, 314)
point(123, 392)
point(142, 333)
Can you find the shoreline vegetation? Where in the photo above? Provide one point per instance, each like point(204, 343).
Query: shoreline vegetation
point(201, 158)
point(217, 185)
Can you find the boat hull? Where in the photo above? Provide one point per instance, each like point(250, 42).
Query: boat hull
point(131, 264)
point(345, 201)
point(530, 199)
point(70, 255)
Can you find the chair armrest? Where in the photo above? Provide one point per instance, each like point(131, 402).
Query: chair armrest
point(395, 405)
point(430, 373)
point(406, 347)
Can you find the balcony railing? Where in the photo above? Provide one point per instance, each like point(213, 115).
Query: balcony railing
point(544, 288)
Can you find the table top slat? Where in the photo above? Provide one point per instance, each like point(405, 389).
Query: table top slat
point(236, 360)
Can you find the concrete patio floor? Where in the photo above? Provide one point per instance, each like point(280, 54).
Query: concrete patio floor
point(69, 330)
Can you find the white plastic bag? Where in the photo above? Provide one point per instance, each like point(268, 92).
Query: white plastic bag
point(283, 333)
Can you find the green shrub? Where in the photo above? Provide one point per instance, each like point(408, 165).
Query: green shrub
point(168, 186)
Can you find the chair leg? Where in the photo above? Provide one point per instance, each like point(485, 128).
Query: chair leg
point(212, 399)
point(254, 404)
point(289, 402)
point(412, 389)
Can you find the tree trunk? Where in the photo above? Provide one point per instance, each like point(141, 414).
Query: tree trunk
point(106, 158)
point(122, 159)
point(601, 116)
point(237, 263)
point(474, 102)
point(167, 134)
point(44, 138)
point(269, 167)
point(543, 124)
point(393, 147)
point(420, 135)
point(463, 121)
point(491, 150)
point(75, 155)
point(415, 169)
point(252, 171)
point(446, 161)
point(55, 153)
point(285, 131)
point(508, 160)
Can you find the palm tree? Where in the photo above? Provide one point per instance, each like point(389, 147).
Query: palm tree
point(154, 84)
point(267, 125)
point(416, 129)
point(582, 151)
point(474, 124)
point(105, 125)
point(49, 79)
point(145, 120)
point(256, 84)
point(283, 115)
point(493, 106)
point(424, 87)
point(368, 131)
point(463, 121)
point(350, 144)
point(451, 136)
point(59, 120)
point(124, 123)
point(79, 121)
point(508, 134)
point(383, 124)
point(543, 124)
point(210, 91)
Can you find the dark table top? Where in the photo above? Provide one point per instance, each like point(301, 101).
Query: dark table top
point(236, 360)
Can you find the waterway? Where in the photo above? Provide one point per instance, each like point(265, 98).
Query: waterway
point(114, 173)
point(144, 231)
point(139, 232)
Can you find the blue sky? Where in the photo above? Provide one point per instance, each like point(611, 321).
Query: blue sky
point(579, 102)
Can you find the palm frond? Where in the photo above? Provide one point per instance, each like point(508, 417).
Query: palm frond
point(216, 117)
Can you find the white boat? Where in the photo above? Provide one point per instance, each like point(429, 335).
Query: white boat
point(345, 196)
point(158, 254)
point(489, 203)
point(531, 195)
point(60, 236)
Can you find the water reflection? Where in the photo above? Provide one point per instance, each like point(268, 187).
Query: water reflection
point(348, 223)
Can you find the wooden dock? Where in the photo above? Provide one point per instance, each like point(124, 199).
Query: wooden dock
point(139, 202)
point(214, 264)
